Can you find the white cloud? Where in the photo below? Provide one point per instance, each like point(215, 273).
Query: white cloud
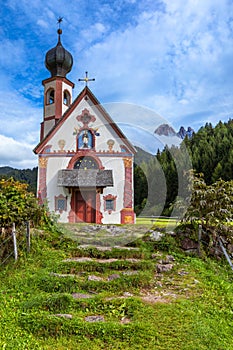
point(100, 27)
point(94, 32)
point(18, 118)
point(42, 23)
point(178, 54)
point(31, 90)
point(16, 154)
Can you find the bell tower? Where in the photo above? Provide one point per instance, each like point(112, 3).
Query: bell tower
point(57, 88)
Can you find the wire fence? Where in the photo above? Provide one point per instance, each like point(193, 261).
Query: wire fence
point(2, 245)
point(9, 245)
point(218, 246)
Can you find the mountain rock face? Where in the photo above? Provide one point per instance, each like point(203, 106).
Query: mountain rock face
point(167, 130)
point(182, 132)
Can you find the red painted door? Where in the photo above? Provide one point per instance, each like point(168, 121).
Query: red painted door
point(85, 206)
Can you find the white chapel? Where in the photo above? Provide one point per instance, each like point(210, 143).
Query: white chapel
point(85, 171)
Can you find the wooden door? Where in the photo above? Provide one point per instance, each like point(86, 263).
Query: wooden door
point(85, 206)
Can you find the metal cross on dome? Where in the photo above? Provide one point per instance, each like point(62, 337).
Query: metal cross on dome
point(86, 79)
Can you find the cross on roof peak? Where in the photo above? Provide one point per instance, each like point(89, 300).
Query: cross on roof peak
point(86, 79)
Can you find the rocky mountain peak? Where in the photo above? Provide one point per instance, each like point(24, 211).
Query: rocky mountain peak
point(166, 130)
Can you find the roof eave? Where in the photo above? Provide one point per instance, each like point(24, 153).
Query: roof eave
point(82, 94)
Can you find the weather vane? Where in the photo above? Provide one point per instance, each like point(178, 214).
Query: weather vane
point(59, 20)
point(86, 79)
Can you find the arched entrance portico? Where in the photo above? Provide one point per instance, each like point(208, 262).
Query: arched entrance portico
point(85, 181)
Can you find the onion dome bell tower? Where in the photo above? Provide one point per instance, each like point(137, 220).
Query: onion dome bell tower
point(58, 60)
point(57, 88)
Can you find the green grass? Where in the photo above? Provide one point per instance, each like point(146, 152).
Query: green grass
point(157, 222)
point(194, 310)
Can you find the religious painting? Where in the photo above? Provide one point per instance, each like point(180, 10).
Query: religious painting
point(85, 139)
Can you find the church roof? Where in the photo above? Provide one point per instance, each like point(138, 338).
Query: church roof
point(84, 178)
point(86, 92)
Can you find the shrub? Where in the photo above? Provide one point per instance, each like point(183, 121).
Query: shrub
point(17, 205)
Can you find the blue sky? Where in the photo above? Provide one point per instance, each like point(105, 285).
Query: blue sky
point(173, 57)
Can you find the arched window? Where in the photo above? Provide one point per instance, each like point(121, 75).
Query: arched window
point(85, 163)
point(50, 97)
point(66, 98)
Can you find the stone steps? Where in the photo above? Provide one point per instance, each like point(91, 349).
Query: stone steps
point(107, 248)
point(110, 284)
point(101, 261)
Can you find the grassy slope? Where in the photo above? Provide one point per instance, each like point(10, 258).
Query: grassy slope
point(191, 308)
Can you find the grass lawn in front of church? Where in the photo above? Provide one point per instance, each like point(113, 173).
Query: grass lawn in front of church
point(160, 222)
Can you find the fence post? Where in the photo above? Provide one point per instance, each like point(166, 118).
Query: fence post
point(225, 252)
point(14, 242)
point(199, 240)
point(28, 238)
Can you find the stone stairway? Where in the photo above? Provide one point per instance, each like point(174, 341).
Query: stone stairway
point(114, 273)
point(101, 276)
point(104, 290)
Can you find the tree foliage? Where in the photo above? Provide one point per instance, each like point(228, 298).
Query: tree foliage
point(28, 176)
point(212, 207)
point(211, 204)
point(211, 153)
point(17, 205)
point(164, 179)
point(211, 150)
point(140, 189)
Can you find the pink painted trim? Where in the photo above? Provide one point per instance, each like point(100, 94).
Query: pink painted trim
point(127, 216)
point(84, 153)
point(41, 131)
point(58, 100)
point(99, 215)
point(110, 197)
point(71, 216)
point(49, 118)
point(42, 191)
point(128, 190)
point(65, 80)
point(56, 199)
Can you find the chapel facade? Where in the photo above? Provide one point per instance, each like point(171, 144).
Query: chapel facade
point(85, 170)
